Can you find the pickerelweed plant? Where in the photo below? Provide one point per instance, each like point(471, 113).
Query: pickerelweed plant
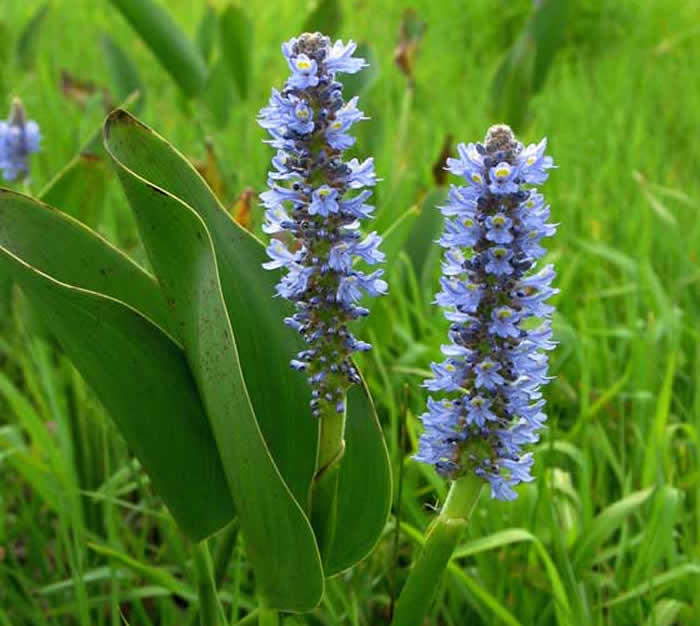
point(490, 403)
point(19, 138)
point(315, 204)
point(197, 376)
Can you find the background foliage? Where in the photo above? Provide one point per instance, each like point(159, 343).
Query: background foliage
point(608, 534)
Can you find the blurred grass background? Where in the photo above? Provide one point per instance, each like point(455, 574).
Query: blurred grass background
point(609, 533)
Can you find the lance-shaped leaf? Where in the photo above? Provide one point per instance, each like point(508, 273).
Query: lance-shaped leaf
point(279, 396)
point(364, 485)
point(176, 53)
point(58, 245)
point(142, 378)
point(279, 538)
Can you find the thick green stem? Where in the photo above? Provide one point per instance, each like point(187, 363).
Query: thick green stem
point(210, 610)
point(325, 488)
point(440, 542)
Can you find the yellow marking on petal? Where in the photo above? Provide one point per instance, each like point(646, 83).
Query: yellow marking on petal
point(499, 220)
point(303, 65)
point(476, 178)
point(530, 203)
point(468, 222)
point(531, 160)
point(324, 192)
point(502, 172)
point(450, 368)
point(503, 314)
point(336, 125)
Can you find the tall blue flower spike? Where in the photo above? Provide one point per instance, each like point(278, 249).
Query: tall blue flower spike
point(500, 322)
point(314, 206)
point(19, 138)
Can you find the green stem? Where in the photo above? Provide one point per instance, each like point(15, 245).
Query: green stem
point(440, 542)
point(324, 495)
point(210, 610)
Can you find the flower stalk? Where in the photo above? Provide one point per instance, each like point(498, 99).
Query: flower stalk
point(440, 542)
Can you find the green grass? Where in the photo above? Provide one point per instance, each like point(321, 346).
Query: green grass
point(609, 532)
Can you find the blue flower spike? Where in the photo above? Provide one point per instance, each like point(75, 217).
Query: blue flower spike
point(314, 204)
point(500, 321)
point(19, 137)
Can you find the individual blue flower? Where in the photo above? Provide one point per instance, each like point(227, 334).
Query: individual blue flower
point(319, 200)
point(500, 319)
point(19, 137)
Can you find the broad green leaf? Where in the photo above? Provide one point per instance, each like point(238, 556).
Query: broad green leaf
point(364, 485)
point(125, 77)
point(279, 539)
point(206, 32)
point(142, 378)
point(326, 18)
point(236, 39)
point(279, 396)
point(175, 52)
point(28, 38)
point(60, 246)
point(358, 83)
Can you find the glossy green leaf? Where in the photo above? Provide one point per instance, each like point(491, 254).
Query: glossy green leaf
point(279, 396)
point(58, 245)
point(326, 18)
point(142, 378)
point(237, 46)
point(279, 538)
point(364, 485)
point(175, 52)
point(125, 77)
point(29, 37)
